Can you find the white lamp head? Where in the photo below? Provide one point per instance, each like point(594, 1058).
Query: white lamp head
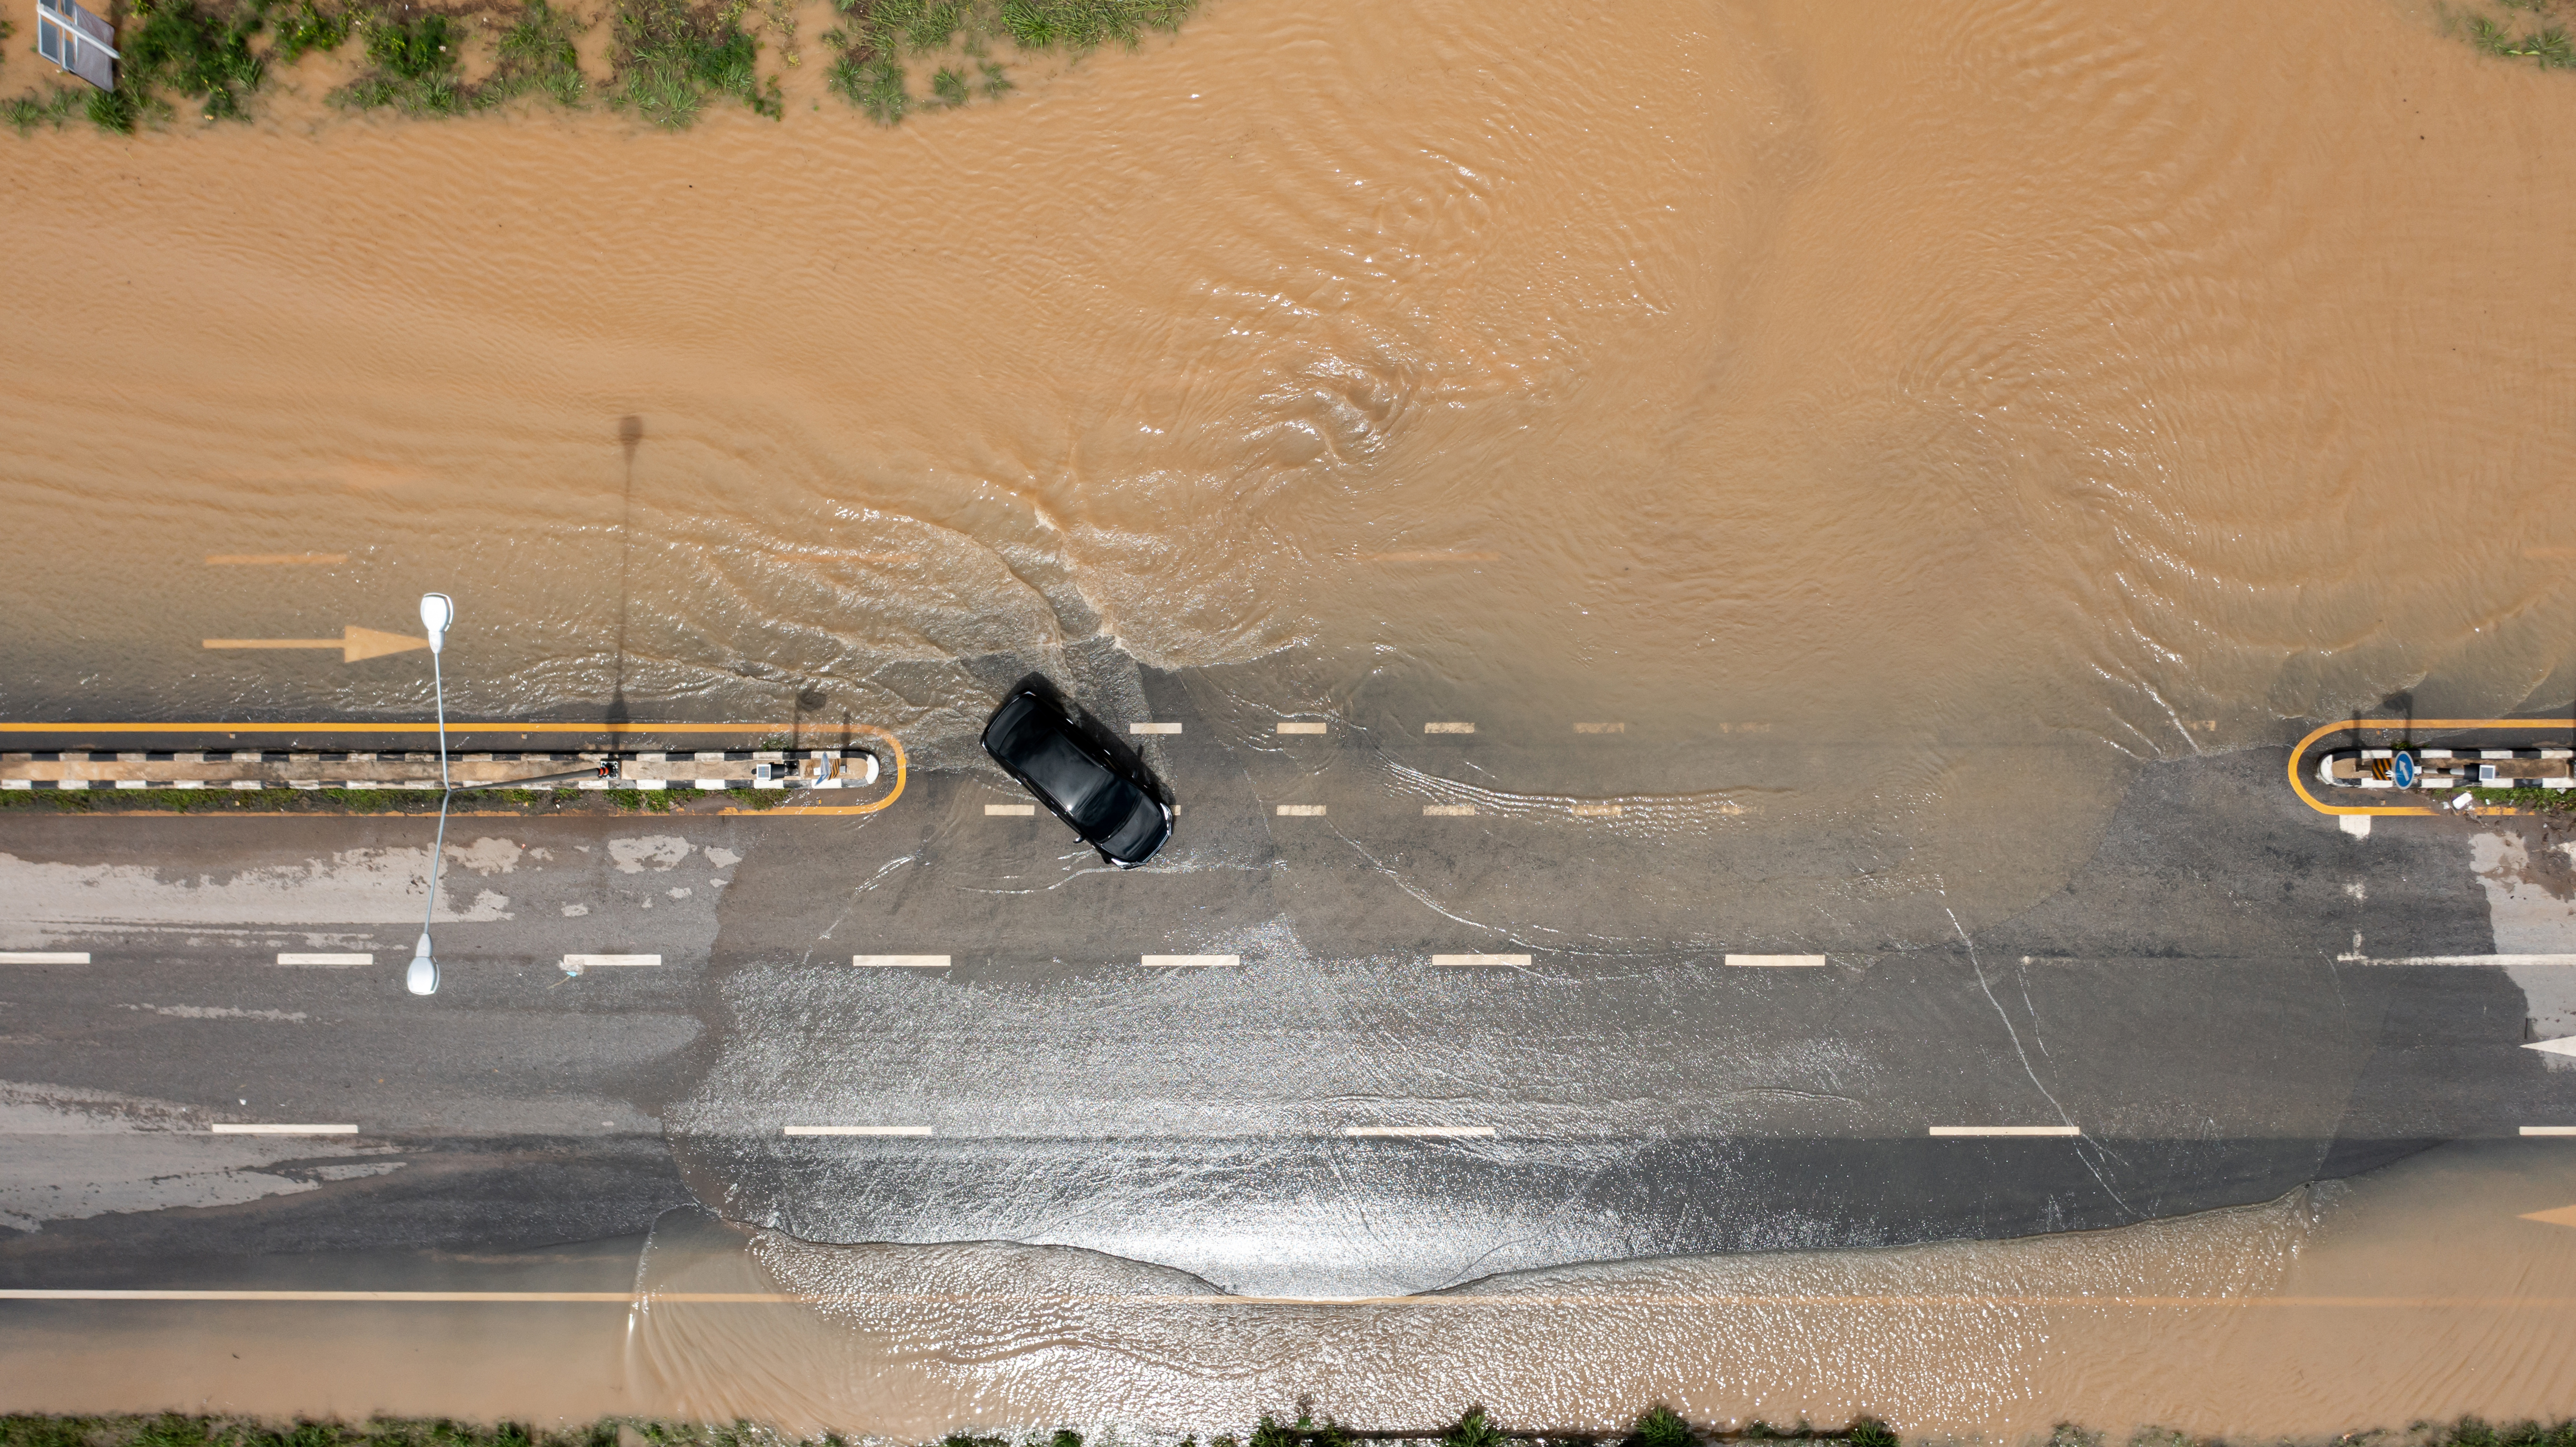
point(422, 977)
point(437, 611)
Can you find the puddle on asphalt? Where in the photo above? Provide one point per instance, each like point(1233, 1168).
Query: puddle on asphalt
point(2422, 1290)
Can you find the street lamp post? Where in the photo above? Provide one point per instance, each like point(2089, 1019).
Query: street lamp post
point(437, 611)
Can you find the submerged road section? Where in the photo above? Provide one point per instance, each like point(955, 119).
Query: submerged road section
point(1375, 1023)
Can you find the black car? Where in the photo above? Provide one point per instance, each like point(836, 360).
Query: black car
point(1088, 782)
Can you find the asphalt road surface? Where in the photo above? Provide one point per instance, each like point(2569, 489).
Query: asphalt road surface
point(1368, 1026)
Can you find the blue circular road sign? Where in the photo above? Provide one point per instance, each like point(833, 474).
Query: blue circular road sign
point(2404, 769)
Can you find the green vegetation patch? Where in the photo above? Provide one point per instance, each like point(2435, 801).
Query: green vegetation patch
point(191, 49)
point(412, 66)
point(2532, 30)
point(877, 34)
point(537, 55)
point(42, 108)
point(672, 57)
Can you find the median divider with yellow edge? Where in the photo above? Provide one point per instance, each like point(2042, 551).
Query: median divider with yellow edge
point(474, 764)
point(2299, 752)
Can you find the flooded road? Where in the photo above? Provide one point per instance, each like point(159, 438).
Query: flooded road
point(1783, 475)
point(2442, 1285)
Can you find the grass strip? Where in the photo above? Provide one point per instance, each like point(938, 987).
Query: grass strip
point(876, 34)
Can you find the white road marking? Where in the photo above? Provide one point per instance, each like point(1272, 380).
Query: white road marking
point(221, 1128)
point(1596, 811)
point(291, 957)
point(1465, 962)
point(1448, 811)
point(1164, 962)
point(2504, 961)
point(1301, 811)
point(900, 962)
point(1774, 962)
point(2008, 1130)
point(1010, 811)
point(2356, 825)
point(601, 962)
point(1419, 1130)
point(44, 957)
point(2549, 1130)
point(1448, 728)
point(1153, 728)
point(1601, 728)
point(858, 1130)
point(2563, 1046)
point(1291, 726)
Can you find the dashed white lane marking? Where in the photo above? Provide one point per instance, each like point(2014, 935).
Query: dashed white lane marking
point(1010, 811)
point(1469, 962)
point(1176, 962)
point(858, 1130)
point(1775, 962)
point(1301, 811)
point(1292, 726)
point(2008, 1130)
point(44, 957)
point(900, 962)
point(1596, 811)
point(292, 957)
point(1448, 728)
point(2549, 1130)
point(1601, 728)
point(1153, 728)
point(1476, 1131)
point(221, 1128)
point(1449, 811)
point(603, 962)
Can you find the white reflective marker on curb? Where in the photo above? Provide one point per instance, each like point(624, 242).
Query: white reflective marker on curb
point(900, 962)
point(1295, 726)
point(2008, 1130)
point(291, 957)
point(858, 1130)
point(2549, 1130)
point(1301, 811)
point(1449, 811)
point(1153, 728)
point(1010, 811)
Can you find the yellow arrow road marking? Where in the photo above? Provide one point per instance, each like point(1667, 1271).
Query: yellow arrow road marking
point(354, 643)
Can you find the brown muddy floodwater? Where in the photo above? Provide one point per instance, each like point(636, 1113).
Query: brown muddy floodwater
point(2421, 1291)
point(2108, 380)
